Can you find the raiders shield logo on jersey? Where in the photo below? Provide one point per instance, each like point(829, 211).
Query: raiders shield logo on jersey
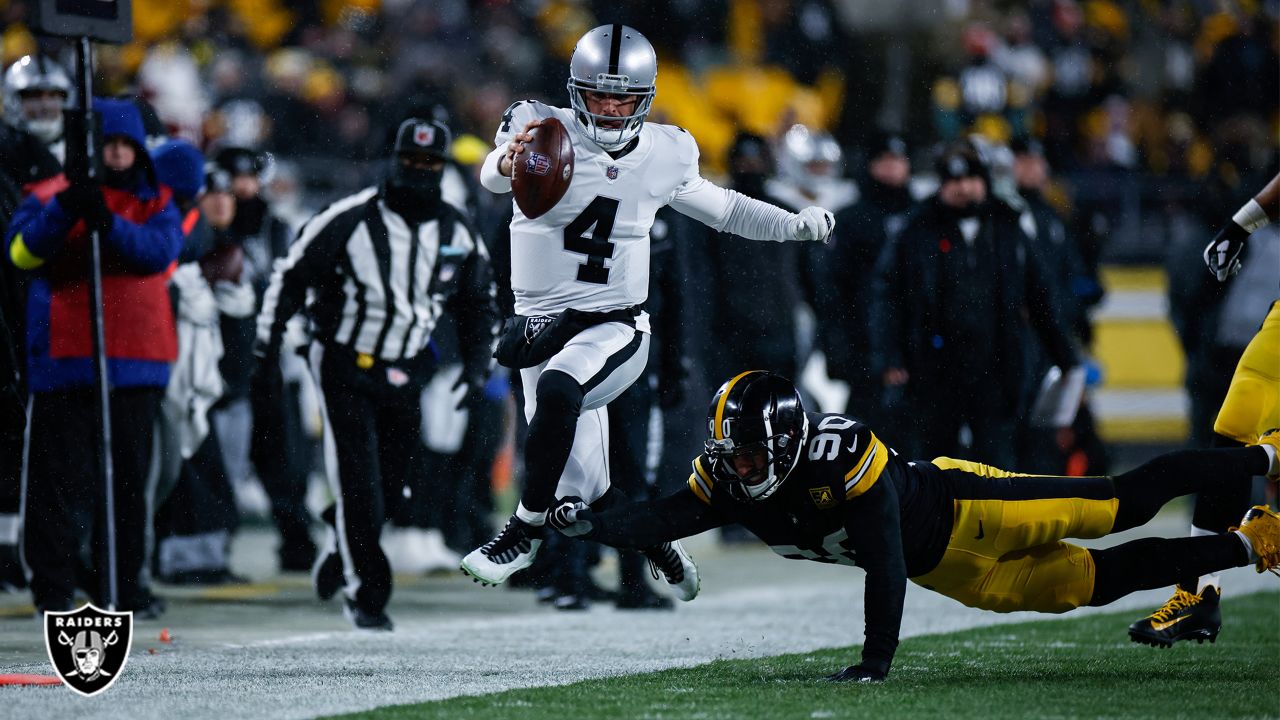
point(536, 324)
point(88, 647)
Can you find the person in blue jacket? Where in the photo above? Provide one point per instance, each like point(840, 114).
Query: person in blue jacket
point(141, 237)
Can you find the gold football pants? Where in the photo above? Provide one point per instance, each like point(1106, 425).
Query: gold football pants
point(1252, 405)
point(1006, 551)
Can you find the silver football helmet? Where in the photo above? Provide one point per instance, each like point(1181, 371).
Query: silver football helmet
point(613, 59)
point(810, 158)
point(30, 74)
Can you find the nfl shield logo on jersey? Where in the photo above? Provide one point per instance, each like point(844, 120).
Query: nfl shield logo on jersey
point(88, 647)
point(611, 172)
point(538, 164)
point(423, 134)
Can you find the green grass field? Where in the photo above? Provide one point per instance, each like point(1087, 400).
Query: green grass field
point(1058, 668)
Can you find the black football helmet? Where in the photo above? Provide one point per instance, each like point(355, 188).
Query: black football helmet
point(755, 412)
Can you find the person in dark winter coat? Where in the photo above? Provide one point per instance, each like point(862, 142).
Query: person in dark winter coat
point(948, 317)
point(141, 237)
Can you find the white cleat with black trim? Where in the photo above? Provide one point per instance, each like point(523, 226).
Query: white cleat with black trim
point(511, 551)
point(676, 566)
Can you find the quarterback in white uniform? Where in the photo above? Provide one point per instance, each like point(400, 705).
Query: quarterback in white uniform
point(580, 275)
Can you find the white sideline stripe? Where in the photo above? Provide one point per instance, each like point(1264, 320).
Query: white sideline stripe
point(1120, 403)
point(1132, 305)
point(288, 640)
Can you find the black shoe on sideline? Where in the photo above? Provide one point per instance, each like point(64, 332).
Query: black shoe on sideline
point(364, 620)
point(327, 577)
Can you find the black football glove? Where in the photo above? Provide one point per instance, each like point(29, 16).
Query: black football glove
point(97, 215)
point(1222, 254)
point(859, 674)
point(77, 200)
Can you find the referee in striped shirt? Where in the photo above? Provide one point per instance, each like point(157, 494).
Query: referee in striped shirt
point(375, 271)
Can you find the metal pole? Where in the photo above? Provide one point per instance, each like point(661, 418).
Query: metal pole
point(84, 90)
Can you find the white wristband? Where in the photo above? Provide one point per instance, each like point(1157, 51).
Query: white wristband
point(1251, 216)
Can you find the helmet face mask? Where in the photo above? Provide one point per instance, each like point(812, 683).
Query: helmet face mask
point(757, 426)
point(612, 60)
point(36, 90)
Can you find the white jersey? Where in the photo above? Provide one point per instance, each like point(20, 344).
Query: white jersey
point(591, 251)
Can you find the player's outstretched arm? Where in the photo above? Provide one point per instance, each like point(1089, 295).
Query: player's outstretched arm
point(732, 212)
point(1222, 254)
point(635, 525)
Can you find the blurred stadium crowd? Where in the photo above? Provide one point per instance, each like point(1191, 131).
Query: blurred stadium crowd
point(1124, 130)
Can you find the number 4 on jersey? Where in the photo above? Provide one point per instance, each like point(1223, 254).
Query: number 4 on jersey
point(588, 234)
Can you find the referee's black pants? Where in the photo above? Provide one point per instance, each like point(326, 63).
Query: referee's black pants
point(65, 499)
point(372, 441)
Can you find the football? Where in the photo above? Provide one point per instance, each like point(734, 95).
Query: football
point(542, 172)
point(223, 263)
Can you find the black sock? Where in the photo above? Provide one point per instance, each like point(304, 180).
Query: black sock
point(550, 440)
point(1226, 473)
point(1158, 562)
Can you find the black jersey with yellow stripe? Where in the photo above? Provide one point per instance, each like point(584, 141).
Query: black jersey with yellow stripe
point(832, 484)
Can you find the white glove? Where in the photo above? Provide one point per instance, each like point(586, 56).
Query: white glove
point(564, 517)
point(812, 224)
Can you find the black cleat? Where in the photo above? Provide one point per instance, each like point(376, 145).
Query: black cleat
point(327, 576)
point(1184, 617)
point(364, 620)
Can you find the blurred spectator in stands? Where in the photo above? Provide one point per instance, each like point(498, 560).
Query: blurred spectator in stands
point(951, 299)
point(141, 236)
point(1242, 73)
point(274, 438)
point(195, 506)
point(752, 332)
point(845, 271)
point(1077, 450)
point(981, 96)
point(1019, 57)
point(170, 82)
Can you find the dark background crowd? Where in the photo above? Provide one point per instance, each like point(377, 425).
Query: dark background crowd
point(1107, 132)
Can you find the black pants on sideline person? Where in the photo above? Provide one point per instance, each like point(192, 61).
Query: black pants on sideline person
point(65, 499)
point(282, 454)
point(372, 442)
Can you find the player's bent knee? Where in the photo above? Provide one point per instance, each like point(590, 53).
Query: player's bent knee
point(559, 392)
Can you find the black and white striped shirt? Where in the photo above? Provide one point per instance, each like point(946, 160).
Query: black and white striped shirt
point(376, 286)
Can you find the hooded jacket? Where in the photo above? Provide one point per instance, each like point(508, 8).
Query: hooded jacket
point(138, 252)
